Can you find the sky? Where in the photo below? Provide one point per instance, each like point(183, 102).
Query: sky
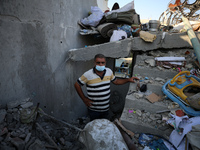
point(147, 9)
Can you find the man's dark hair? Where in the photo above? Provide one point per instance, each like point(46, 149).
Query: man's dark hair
point(99, 56)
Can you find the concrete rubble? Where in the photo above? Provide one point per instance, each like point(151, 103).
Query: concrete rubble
point(140, 115)
point(24, 126)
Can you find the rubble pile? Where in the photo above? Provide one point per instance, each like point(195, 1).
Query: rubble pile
point(24, 126)
point(149, 111)
point(147, 61)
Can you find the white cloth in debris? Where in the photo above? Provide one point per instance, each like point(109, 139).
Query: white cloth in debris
point(118, 35)
point(94, 19)
point(101, 134)
point(125, 8)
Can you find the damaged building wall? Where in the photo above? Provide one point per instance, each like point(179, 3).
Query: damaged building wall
point(35, 39)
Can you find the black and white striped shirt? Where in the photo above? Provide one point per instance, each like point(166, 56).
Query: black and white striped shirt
point(98, 88)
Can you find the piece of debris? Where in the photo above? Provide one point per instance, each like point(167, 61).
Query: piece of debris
point(153, 98)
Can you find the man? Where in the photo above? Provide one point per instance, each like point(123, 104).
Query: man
point(98, 81)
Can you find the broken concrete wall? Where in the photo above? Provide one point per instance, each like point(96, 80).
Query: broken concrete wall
point(35, 38)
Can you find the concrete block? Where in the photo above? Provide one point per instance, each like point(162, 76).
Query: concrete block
point(110, 49)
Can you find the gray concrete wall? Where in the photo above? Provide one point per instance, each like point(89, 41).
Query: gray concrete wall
point(35, 38)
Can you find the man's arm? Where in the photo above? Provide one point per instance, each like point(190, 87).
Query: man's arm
point(86, 100)
point(123, 81)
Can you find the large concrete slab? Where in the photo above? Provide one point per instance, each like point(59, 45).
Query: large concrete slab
point(123, 48)
point(154, 72)
point(111, 49)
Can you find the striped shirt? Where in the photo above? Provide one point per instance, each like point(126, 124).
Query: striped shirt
point(98, 88)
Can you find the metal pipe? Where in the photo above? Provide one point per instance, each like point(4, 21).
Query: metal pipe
point(193, 38)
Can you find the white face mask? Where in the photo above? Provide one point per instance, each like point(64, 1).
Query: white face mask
point(100, 68)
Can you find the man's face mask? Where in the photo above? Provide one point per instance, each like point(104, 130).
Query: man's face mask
point(100, 68)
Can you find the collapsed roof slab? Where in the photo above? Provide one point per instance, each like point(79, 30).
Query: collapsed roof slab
point(112, 49)
point(171, 41)
point(123, 48)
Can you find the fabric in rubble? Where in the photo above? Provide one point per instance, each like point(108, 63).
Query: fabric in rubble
point(94, 19)
point(126, 17)
point(125, 8)
point(118, 35)
point(106, 29)
point(127, 29)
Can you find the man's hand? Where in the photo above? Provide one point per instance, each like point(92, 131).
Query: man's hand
point(87, 102)
point(132, 79)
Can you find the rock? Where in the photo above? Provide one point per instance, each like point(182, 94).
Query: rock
point(4, 131)
point(160, 68)
point(148, 114)
point(189, 66)
point(139, 95)
point(27, 105)
point(37, 145)
point(160, 79)
point(137, 135)
point(62, 141)
point(138, 112)
point(8, 138)
point(23, 136)
point(1, 139)
point(14, 134)
point(152, 116)
point(15, 110)
point(158, 116)
point(151, 62)
point(149, 120)
point(25, 100)
point(12, 104)
point(4, 147)
point(9, 118)
point(28, 136)
point(16, 116)
point(9, 110)
point(159, 121)
point(18, 143)
point(2, 115)
point(68, 144)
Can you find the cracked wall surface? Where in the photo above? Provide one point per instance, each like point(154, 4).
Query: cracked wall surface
point(35, 39)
